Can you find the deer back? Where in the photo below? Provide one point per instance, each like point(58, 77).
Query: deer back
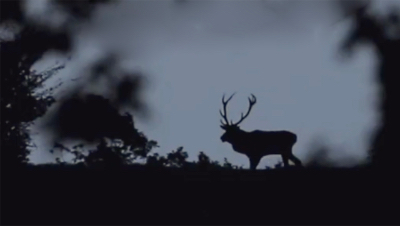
point(272, 137)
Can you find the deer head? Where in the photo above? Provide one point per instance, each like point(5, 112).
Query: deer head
point(232, 130)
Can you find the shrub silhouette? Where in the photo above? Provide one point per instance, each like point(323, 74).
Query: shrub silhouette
point(178, 159)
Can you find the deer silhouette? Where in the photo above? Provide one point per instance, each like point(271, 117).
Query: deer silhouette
point(257, 144)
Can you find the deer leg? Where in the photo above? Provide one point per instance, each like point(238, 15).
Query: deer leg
point(285, 159)
point(254, 160)
point(296, 160)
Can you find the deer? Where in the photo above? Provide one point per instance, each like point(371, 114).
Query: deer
point(257, 144)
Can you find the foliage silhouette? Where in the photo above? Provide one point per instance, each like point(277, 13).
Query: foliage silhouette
point(376, 31)
point(11, 10)
point(93, 119)
point(19, 104)
point(81, 9)
point(257, 144)
point(89, 117)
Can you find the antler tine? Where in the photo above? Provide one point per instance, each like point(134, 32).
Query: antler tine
point(221, 122)
point(254, 98)
point(220, 112)
point(225, 103)
point(252, 101)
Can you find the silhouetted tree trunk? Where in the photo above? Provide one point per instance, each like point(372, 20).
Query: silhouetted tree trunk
point(385, 151)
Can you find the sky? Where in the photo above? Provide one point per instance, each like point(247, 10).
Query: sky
point(196, 51)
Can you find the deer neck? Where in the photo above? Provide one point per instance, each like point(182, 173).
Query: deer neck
point(239, 143)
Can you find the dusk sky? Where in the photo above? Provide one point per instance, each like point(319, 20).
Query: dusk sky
point(196, 51)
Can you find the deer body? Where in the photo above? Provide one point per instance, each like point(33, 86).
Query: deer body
point(257, 144)
point(254, 142)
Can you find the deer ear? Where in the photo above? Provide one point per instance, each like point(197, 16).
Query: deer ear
point(222, 126)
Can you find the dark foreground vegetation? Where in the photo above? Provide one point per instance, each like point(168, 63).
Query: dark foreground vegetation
point(151, 195)
point(104, 186)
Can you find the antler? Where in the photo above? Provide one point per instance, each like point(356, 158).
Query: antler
point(252, 101)
point(224, 115)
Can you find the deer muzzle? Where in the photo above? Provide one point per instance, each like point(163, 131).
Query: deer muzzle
point(223, 138)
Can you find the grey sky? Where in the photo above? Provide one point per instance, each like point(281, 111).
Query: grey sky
point(195, 52)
